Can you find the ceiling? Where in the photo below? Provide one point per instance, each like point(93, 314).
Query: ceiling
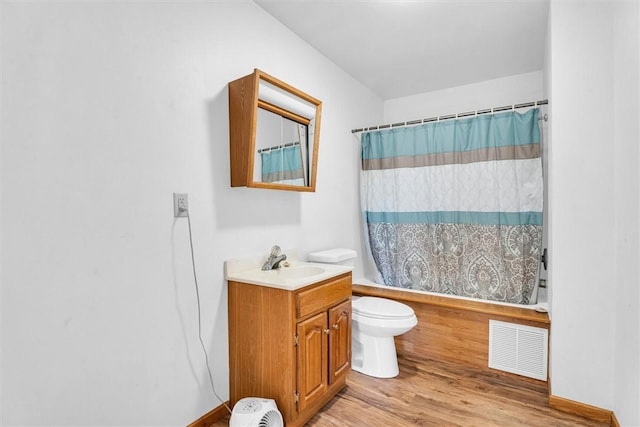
point(398, 48)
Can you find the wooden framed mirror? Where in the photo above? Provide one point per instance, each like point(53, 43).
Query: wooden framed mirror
point(274, 133)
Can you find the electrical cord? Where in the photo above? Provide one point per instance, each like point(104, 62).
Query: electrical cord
point(204, 350)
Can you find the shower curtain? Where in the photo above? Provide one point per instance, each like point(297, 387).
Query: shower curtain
point(455, 207)
point(282, 165)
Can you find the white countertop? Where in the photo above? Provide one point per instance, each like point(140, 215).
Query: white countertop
point(292, 277)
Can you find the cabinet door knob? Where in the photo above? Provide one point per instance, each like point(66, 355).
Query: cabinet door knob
point(327, 331)
point(336, 326)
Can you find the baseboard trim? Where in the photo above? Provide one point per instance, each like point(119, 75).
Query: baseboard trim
point(211, 417)
point(582, 409)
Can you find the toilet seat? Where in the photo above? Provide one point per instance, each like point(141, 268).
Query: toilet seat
point(381, 308)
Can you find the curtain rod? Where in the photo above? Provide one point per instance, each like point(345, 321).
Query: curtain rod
point(278, 147)
point(458, 115)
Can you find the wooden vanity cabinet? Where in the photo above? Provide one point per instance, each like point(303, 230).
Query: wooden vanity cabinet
point(290, 346)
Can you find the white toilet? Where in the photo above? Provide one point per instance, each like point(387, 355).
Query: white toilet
point(375, 321)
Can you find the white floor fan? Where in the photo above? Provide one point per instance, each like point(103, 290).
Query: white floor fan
point(256, 412)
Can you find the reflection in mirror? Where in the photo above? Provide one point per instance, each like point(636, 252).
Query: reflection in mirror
point(282, 147)
point(285, 122)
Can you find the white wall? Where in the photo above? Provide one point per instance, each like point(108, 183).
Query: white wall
point(1, 219)
point(108, 108)
point(491, 93)
point(582, 200)
point(626, 132)
point(594, 204)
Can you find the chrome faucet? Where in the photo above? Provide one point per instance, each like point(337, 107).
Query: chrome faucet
point(274, 260)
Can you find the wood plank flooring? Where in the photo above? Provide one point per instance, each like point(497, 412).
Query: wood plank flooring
point(436, 393)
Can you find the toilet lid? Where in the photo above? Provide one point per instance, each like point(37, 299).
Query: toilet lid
point(380, 307)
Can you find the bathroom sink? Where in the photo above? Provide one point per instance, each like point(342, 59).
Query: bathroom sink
point(284, 275)
point(297, 272)
point(297, 275)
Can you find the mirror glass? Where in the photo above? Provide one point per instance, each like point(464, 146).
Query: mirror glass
point(284, 137)
point(282, 150)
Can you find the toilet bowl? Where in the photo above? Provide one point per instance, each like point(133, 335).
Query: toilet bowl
point(375, 323)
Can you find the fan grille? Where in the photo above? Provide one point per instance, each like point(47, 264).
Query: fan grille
point(271, 419)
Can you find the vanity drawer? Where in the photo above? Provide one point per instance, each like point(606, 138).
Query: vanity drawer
point(323, 296)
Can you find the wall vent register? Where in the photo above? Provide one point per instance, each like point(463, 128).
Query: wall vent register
point(518, 349)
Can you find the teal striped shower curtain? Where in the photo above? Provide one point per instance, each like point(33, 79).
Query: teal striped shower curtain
point(455, 207)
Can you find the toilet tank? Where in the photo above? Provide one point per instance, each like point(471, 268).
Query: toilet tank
point(338, 256)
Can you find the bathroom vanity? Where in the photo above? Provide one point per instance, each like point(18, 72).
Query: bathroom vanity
point(290, 336)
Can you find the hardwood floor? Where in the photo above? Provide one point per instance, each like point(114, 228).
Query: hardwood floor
point(435, 393)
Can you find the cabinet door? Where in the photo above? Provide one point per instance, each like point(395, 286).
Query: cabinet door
point(312, 359)
point(339, 340)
